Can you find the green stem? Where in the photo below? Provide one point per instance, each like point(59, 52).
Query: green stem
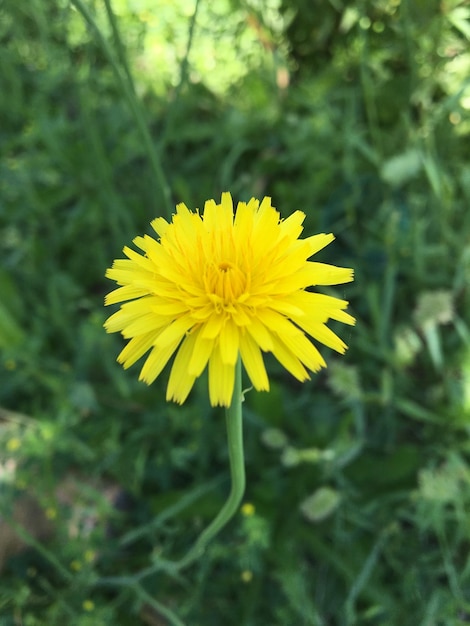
point(30, 540)
point(234, 423)
point(134, 105)
point(175, 105)
point(160, 609)
point(121, 53)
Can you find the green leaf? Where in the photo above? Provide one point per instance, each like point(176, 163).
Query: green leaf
point(320, 504)
point(11, 333)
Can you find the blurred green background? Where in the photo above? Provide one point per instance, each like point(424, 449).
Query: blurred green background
point(357, 508)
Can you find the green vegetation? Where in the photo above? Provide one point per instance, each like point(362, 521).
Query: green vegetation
point(358, 482)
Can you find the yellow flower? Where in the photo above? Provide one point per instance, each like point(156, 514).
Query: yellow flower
point(218, 286)
point(248, 509)
point(13, 444)
point(51, 512)
point(246, 576)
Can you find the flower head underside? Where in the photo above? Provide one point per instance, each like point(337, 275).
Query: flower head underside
point(220, 286)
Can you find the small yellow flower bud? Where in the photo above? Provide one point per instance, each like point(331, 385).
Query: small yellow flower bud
point(89, 556)
point(246, 576)
point(13, 444)
point(248, 509)
point(51, 512)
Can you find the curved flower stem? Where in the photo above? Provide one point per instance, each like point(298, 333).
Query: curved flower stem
point(234, 423)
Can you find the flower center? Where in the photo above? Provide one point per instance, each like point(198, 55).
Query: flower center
point(225, 282)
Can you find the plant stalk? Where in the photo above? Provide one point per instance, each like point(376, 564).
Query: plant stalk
point(234, 424)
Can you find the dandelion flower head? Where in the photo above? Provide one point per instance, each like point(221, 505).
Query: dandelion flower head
point(221, 286)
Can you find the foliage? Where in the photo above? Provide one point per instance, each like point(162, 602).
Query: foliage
point(359, 481)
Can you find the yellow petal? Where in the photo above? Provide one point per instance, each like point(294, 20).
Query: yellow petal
point(138, 259)
point(145, 324)
point(135, 349)
point(322, 333)
point(318, 242)
point(318, 307)
point(305, 351)
point(213, 326)
point(149, 245)
point(218, 217)
point(243, 223)
point(286, 358)
point(175, 331)
point(342, 316)
point(276, 322)
point(221, 380)
point(156, 361)
point(181, 381)
point(291, 227)
point(202, 350)
point(128, 292)
point(260, 334)
point(282, 305)
point(229, 342)
point(265, 229)
point(159, 225)
point(170, 308)
point(119, 320)
point(123, 272)
point(226, 212)
point(253, 362)
point(323, 274)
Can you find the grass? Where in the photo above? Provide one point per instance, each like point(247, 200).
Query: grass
point(359, 479)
